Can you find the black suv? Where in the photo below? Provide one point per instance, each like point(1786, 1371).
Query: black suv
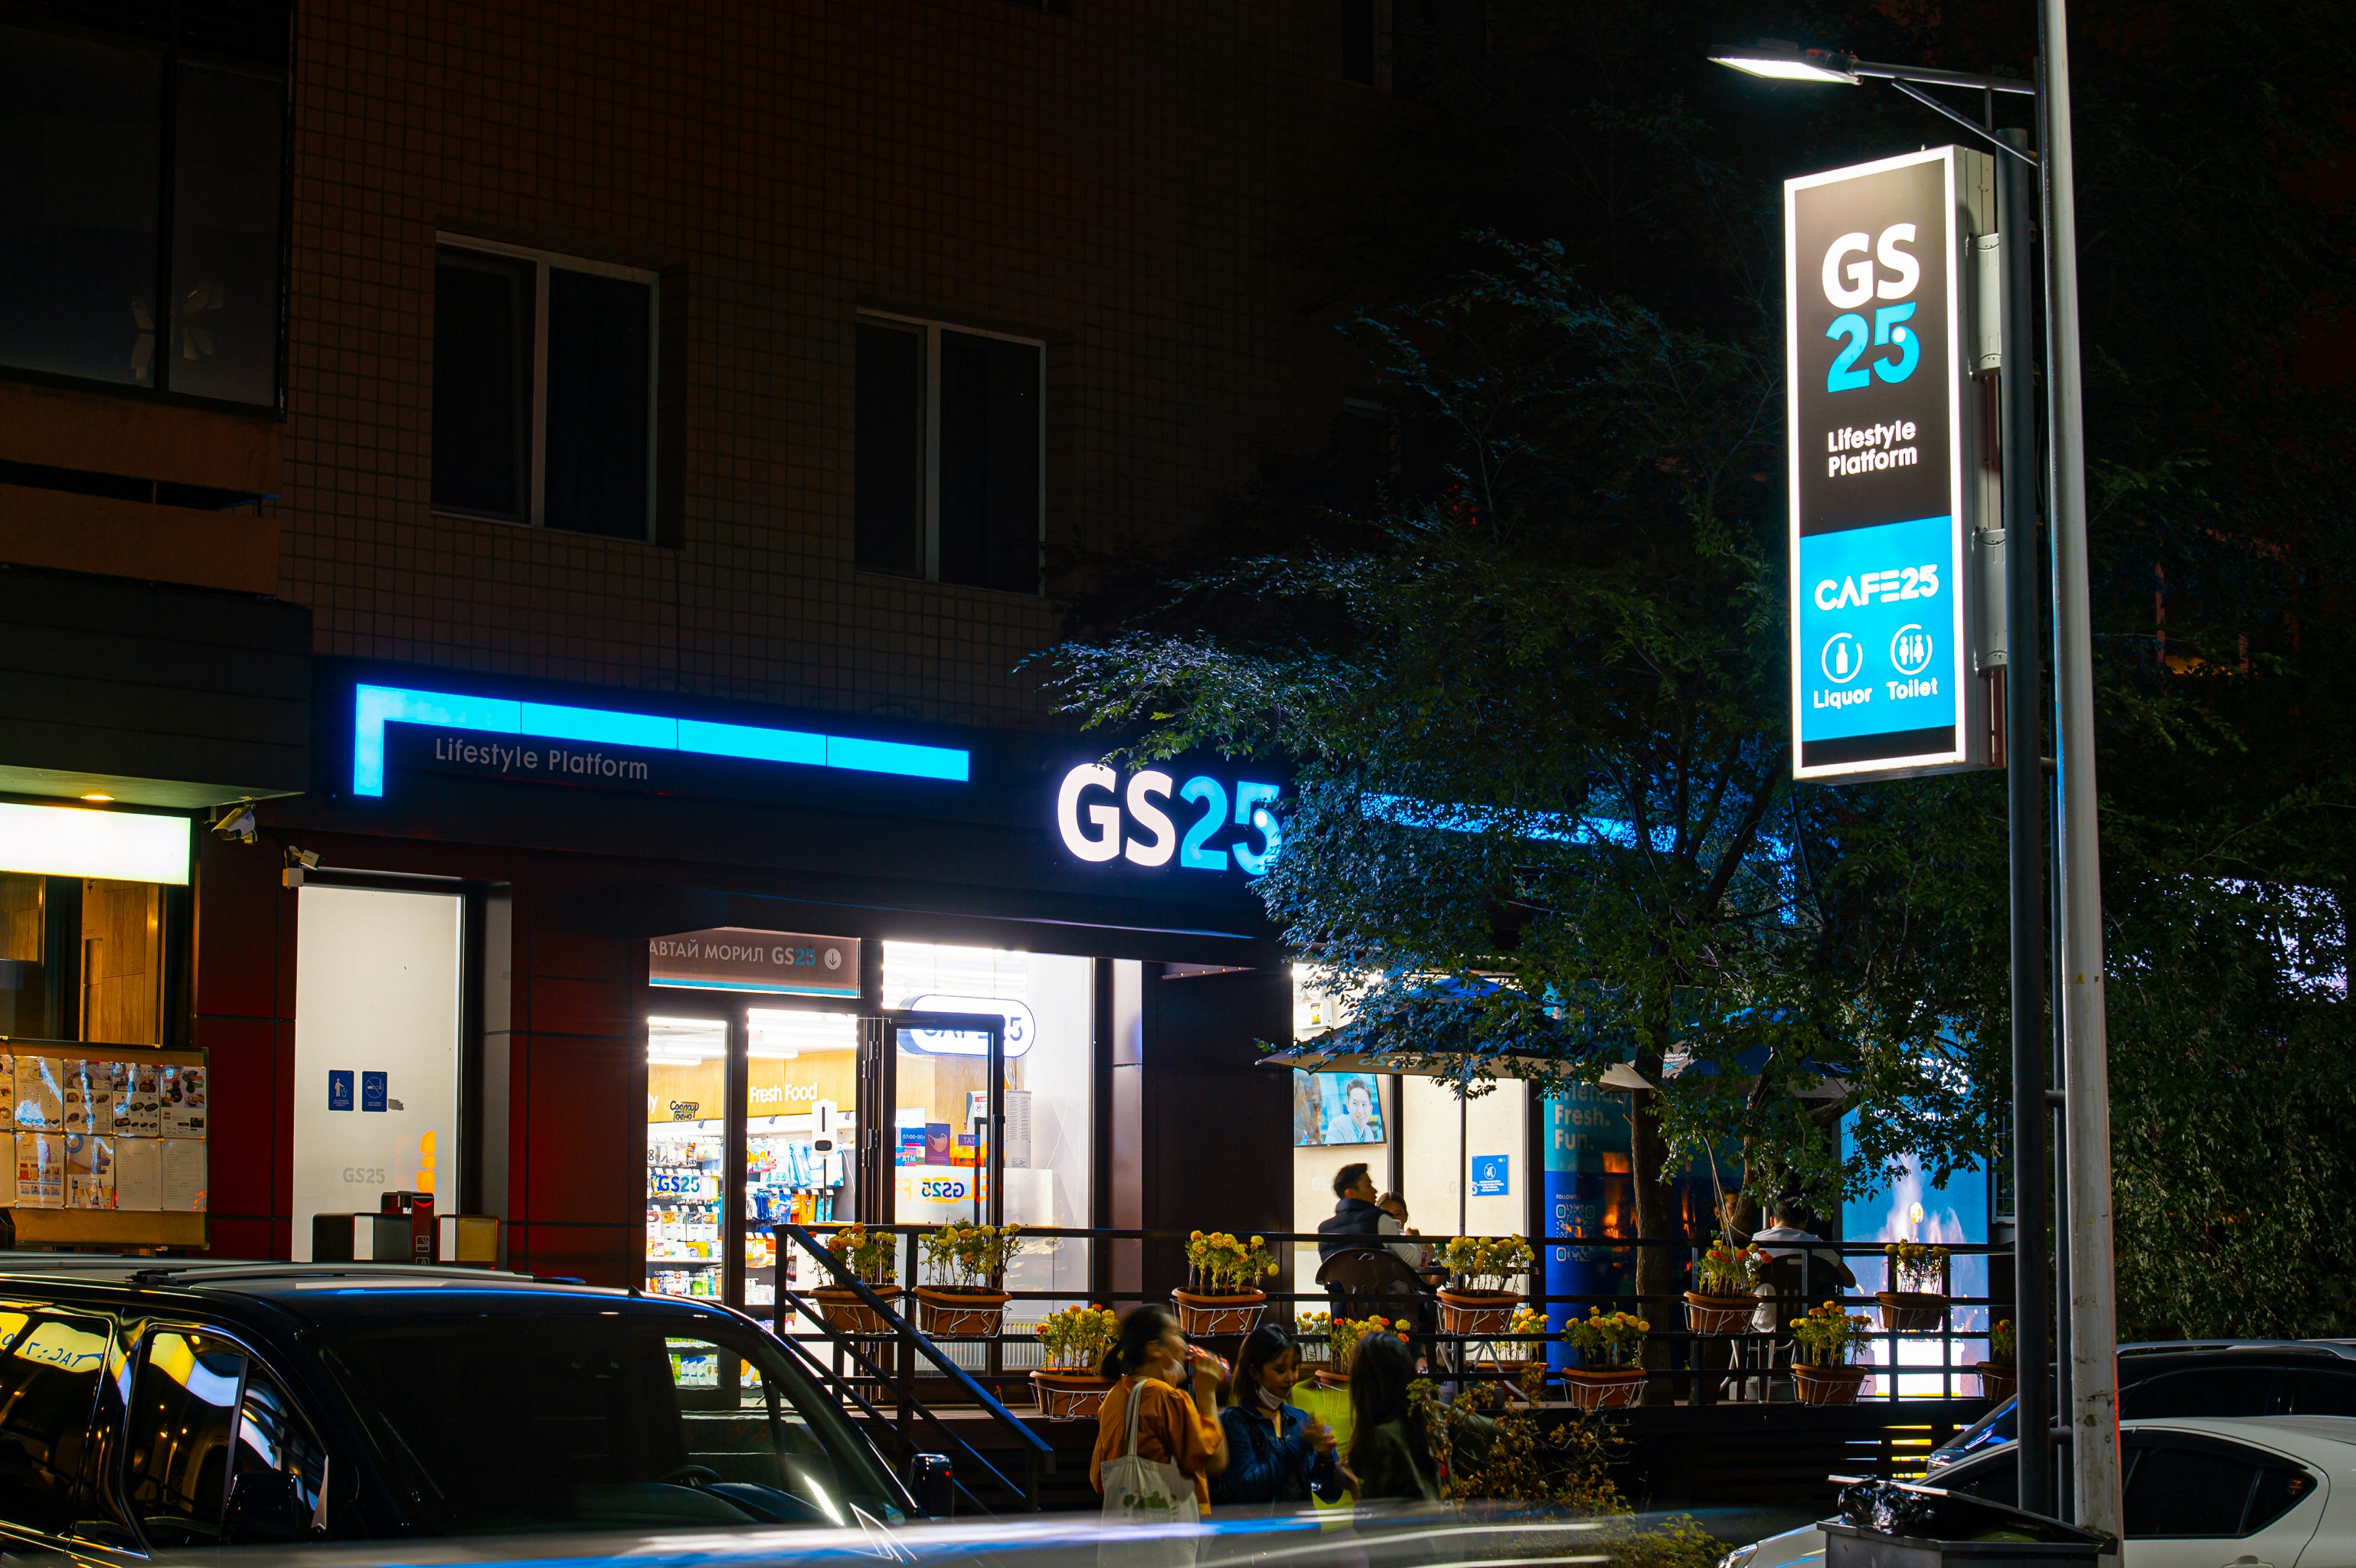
point(147, 1405)
point(2173, 1379)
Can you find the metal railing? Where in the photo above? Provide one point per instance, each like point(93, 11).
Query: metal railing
point(1695, 1367)
point(854, 1371)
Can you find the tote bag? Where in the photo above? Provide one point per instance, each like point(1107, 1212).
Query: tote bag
point(1141, 1491)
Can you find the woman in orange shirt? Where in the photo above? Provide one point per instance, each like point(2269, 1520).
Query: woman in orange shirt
point(1153, 1363)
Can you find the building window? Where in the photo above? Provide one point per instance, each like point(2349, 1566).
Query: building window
point(544, 376)
point(949, 461)
point(1363, 26)
point(141, 188)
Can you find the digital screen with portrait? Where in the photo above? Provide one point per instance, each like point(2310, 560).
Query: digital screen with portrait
point(1336, 1108)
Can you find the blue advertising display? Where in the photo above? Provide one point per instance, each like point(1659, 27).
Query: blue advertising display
point(1885, 468)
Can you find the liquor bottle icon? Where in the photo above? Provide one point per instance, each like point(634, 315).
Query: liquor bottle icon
point(1842, 658)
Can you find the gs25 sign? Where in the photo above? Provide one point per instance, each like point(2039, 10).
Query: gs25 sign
point(1156, 819)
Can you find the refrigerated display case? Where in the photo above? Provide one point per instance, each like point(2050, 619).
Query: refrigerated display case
point(686, 1135)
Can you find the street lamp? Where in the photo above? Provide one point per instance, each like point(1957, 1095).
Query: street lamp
point(2093, 1374)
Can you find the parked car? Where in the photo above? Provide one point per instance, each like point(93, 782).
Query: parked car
point(2277, 1490)
point(151, 1405)
point(2203, 1378)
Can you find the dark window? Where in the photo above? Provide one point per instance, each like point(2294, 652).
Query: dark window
point(2220, 1391)
point(2280, 1489)
point(49, 1368)
point(2314, 1391)
point(482, 375)
point(592, 469)
point(600, 330)
point(183, 1434)
point(226, 127)
point(989, 462)
point(889, 497)
point(1995, 1480)
point(2174, 1491)
point(947, 464)
point(1361, 41)
point(271, 1436)
point(80, 145)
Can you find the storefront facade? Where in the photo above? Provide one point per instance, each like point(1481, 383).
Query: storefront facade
point(597, 963)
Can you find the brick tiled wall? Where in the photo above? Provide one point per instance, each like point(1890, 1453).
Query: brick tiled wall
point(1123, 182)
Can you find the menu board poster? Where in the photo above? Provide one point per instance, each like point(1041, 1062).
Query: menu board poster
point(183, 1176)
point(139, 1174)
point(74, 1089)
point(40, 1168)
point(183, 1099)
point(90, 1171)
point(139, 1106)
point(41, 1093)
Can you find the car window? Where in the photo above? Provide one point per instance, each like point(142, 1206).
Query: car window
point(271, 1436)
point(1996, 1479)
point(2214, 1488)
point(2315, 1391)
point(183, 1403)
point(580, 1421)
point(2280, 1489)
point(2221, 1391)
point(50, 1367)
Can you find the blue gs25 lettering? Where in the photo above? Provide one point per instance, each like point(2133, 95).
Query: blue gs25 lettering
point(1850, 283)
point(1089, 817)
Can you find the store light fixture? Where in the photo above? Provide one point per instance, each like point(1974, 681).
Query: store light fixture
point(374, 707)
point(115, 845)
point(97, 796)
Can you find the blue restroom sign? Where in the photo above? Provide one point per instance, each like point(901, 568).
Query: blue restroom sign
point(1883, 681)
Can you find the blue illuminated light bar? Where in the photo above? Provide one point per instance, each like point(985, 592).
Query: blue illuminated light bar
point(374, 707)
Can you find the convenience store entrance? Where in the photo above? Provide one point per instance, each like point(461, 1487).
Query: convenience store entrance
point(761, 1109)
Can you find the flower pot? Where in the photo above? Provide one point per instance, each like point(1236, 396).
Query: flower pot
point(1911, 1311)
point(1328, 1378)
point(841, 1305)
point(961, 1312)
point(1208, 1316)
point(1997, 1382)
point(1827, 1385)
point(1603, 1388)
point(1066, 1393)
point(1478, 1311)
point(1720, 1313)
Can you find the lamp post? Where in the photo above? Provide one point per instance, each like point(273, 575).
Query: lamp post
point(2091, 1380)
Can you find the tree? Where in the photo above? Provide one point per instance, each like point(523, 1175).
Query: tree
point(1542, 805)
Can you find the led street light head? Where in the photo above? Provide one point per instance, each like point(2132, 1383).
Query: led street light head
point(1780, 61)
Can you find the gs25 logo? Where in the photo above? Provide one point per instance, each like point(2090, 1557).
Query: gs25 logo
point(1849, 284)
point(1099, 838)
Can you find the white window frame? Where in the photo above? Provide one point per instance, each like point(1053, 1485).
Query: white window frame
point(536, 461)
point(930, 330)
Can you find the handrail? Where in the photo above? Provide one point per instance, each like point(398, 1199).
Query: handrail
point(1039, 1456)
point(845, 1386)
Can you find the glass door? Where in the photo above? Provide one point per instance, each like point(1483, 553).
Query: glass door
point(801, 1134)
point(687, 1138)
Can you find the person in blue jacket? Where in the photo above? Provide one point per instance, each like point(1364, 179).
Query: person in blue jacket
point(1276, 1452)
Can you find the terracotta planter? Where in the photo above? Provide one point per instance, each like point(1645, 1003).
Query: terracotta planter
point(841, 1305)
point(1998, 1383)
point(954, 1312)
point(1827, 1385)
point(1328, 1378)
point(1603, 1388)
point(1214, 1316)
point(1720, 1313)
point(1911, 1311)
point(1478, 1311)
point(1065, 1394)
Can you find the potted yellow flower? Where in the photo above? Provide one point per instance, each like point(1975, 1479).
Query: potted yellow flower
point(1726, 1289)
point(1222, 1294)
point(867, 1255)
point(1916, 1301)
point(1611, 1373)
point(1478, 1297)
point(1827, 1336)
point(1341, 1336)
point(1999, 1376)
point(965, 1264)
point(1509, 1355)
point(1072, 1385)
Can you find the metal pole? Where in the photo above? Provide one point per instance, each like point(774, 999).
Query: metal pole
point(2024, 752)
point(2094, 1328)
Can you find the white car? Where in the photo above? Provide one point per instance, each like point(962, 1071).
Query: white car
point(2269, 1491)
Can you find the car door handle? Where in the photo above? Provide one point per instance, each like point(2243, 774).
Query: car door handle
point(2248, 1562)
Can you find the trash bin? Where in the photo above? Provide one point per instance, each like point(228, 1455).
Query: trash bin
point(1895, 1524)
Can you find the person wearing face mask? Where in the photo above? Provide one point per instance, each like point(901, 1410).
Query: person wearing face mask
point(1277, 1453)
point(1175, 1388)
